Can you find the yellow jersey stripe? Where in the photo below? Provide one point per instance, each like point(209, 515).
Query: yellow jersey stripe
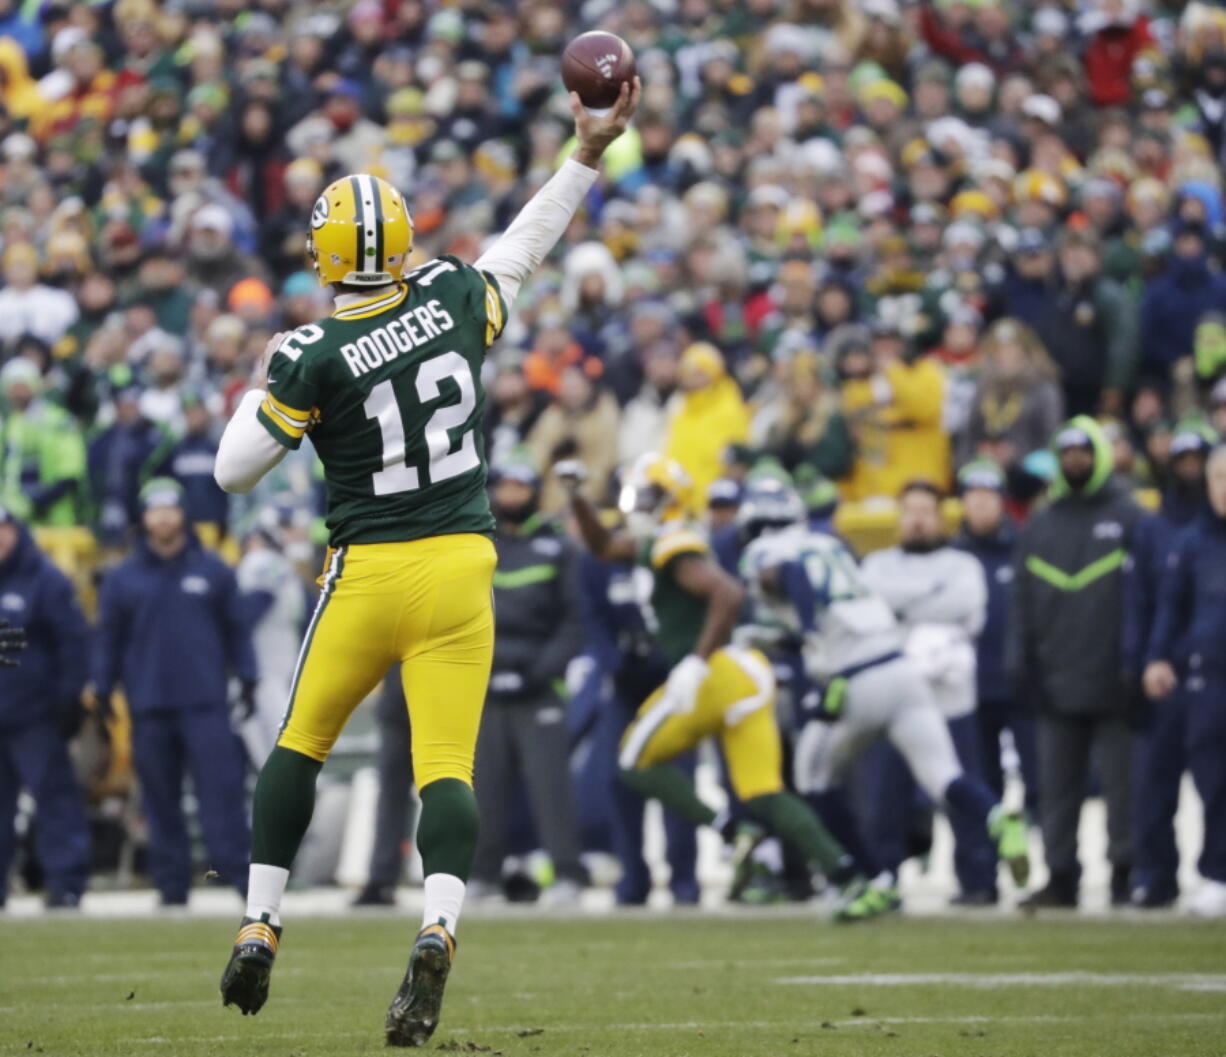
point(493, 314)
point(294, 427)
point(668, 547)
point(374, 306)
point(286, 410)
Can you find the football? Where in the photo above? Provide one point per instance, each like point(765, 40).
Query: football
point(594, 65)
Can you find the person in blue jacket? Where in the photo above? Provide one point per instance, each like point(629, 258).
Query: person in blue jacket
point(40, 709)
point(171, 632)
point(989, 535)
point(1159, 760)
point(1175, 300)
point(617, 622)
point(1185, 655)
point(190, 462)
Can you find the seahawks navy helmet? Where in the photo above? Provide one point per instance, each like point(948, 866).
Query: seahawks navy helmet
point(768, 504)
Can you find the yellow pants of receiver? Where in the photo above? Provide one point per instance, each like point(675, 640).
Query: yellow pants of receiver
point(736, 703)
point(423, 604)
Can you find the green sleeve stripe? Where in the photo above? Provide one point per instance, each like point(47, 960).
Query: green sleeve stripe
point(278, 433)
point(530, 574)
point(1077, 581)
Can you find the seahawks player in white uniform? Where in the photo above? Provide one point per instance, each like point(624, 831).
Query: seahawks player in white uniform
point(806, 586)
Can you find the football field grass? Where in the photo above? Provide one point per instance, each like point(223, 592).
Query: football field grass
point(764, 985)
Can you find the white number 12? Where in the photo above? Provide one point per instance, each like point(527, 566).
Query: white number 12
point(397, 475)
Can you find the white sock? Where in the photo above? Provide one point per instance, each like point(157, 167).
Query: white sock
point(265, 887)
point(444, 897)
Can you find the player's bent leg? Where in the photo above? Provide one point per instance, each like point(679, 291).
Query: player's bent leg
point(447, 650)
point(346, 651)
point(655, 738)
point(921, 734)
point(753, 751)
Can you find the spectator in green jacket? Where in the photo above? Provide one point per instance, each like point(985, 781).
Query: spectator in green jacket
point(42, 454)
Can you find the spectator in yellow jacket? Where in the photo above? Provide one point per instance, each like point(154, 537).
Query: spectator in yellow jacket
point(894, 410)
point(712, 416)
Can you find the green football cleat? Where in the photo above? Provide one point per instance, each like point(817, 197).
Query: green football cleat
point(745, 839)
point(863, 900)
point(414, 1012)
point(1008, 830)
point(245, 981)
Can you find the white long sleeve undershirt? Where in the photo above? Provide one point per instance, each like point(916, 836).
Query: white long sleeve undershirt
point(520, 249)
point(247, 451)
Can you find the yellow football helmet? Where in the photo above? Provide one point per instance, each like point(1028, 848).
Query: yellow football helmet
point(361, 232)
point(655, 490)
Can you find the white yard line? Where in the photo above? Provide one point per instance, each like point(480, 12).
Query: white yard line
point(989, 981)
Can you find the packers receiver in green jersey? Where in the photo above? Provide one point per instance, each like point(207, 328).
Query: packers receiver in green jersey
point(715, 689)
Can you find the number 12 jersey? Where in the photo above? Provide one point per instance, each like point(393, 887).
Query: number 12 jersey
point(389, 389)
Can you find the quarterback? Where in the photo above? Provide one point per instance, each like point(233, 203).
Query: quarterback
point(388, 389)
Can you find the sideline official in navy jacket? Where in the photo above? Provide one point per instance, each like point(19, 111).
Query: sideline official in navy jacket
point(1185, 656)
point(171, 631)
point(989, 535)
point(1160, 758)
point(40, 709)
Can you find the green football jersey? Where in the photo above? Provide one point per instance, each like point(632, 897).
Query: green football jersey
point(680, 615)
point(389, 390)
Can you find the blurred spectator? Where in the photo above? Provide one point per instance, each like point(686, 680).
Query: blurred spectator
point(1066, 655)
point(40, 710)
point(119, 460)
point(512, 410)
point(939, 595)
point(43, 456)
point(710, 416)
point(990, 536)
point(1017, 403)
point(190, 462)
point(645, 417)
point(26, 305)
point(213, 260)
point(893, 407)
point(1183, 658)
point(170, 632)
point(524, 735)
point(1175, 301)
point(803, 423)
point(1162, 736)
point(580, 423)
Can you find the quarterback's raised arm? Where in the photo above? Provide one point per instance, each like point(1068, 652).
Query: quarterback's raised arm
point(520, 249)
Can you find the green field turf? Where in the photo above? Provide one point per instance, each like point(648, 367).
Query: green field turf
point(684, 986)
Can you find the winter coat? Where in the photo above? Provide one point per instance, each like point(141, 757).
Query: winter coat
point(35, 595)
point(536, 606)
point(171, 631)
point(1066, 627)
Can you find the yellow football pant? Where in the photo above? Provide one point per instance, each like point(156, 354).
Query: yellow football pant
point(737, 703)
point(424, 604)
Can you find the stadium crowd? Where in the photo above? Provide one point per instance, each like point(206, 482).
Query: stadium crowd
point(859, 244)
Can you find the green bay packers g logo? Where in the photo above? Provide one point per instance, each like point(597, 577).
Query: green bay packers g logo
point(319, 215)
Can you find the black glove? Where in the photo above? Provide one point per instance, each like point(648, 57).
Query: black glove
point(244, 704)
point(12, 641)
